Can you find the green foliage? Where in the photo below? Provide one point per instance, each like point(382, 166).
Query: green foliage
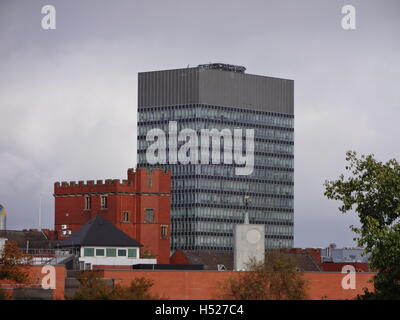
point(373, 191)
point(276, 279)
point(92, 287)
point(2, 294)
point(138, 290)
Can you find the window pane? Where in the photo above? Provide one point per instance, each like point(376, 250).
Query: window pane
point(88, 252)
point(149, 218)
point(163, 232)
point(87, 202)
point(132, 253)
point(125, 216)
point(110, 252)
point(100, 252)
point(122, 253)
point(103, 202)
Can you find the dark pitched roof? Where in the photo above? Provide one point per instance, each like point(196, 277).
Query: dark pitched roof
point(99, 232)
point(304, 262)
point(211, 260)
point(30, 239)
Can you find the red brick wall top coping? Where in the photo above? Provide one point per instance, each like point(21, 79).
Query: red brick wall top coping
point(227, 271)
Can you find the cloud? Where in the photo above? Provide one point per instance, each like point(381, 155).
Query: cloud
point(68, 97)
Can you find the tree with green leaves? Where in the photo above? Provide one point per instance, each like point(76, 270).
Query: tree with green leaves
point(372, 190)
point(275, 279)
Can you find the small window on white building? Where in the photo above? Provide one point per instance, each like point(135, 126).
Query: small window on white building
point(88, 252)
point(111, 252)
point(100, 252)
point(132, 253)
point(121, 252)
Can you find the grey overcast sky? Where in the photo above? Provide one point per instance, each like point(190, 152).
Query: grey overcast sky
point(68, 97)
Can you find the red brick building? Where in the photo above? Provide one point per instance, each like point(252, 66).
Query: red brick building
point(139, 206)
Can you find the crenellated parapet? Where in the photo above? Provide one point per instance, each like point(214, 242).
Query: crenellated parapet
point(89, 183)
point(110, 185)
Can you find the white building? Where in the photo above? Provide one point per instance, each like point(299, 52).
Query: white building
point(99, 242)
point(333, 254)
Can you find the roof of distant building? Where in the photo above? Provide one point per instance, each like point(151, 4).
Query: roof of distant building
point(28, 239)
point(213, 260)
point(99, 232)
point(210, 259)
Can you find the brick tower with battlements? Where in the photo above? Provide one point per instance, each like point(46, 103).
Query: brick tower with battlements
point(138, 206)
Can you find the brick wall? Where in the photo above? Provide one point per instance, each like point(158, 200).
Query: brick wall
point(193, 285)
point(35, 281)
point(202, 285)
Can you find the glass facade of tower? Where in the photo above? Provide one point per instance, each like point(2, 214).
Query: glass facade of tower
point(209, 199)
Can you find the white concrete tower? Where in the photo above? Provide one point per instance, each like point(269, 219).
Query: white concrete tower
point(249, 242)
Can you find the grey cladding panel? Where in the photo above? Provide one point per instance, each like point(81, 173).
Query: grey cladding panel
point(232, 89)
point(215, 87)
point(170, 87)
